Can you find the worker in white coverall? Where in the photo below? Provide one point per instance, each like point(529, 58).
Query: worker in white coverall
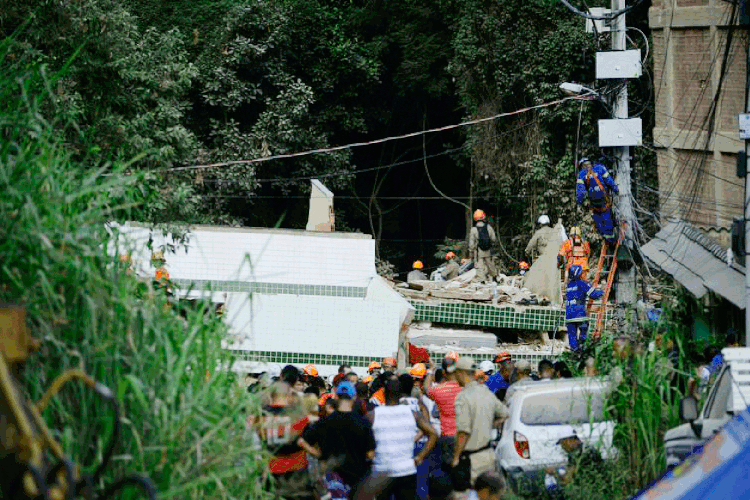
point(543, 278)
point(481, 239)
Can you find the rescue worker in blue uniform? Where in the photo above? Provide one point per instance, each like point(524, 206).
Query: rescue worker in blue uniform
point(576, 295)
point(597, 185)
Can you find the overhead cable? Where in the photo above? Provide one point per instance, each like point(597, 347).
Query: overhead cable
point(603, 17)
point(369, 143)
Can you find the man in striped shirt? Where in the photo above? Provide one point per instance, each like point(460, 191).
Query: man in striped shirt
point(444, 396)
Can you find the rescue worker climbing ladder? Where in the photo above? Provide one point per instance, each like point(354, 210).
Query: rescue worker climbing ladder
point(597, 185)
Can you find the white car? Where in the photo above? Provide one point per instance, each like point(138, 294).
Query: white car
point(543, 412)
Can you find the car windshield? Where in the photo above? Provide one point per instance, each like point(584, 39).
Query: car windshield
point(563, 408)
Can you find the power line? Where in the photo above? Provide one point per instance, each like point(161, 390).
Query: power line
point(605, 17)
point(368, 143)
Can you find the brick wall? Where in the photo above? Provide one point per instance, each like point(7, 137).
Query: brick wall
point(697, 180)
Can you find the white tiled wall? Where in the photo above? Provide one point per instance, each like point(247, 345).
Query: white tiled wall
point(314, 324)
point(263, 256)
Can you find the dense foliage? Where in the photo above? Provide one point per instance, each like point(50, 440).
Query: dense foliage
point(182, 415)
point(178, 83)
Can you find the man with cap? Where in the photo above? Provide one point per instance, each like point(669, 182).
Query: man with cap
point(477, 413)
point(344, 440)
point(499, 381)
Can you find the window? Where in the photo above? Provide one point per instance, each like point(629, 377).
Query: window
point(563, 408)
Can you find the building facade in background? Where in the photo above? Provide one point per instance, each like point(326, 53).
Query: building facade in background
point(696, 134)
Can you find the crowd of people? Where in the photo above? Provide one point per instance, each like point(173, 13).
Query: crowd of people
point(423, 432)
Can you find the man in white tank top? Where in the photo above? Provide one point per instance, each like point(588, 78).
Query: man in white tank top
point(395, 427)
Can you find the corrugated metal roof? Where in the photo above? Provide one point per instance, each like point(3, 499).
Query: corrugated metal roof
point(698, 262)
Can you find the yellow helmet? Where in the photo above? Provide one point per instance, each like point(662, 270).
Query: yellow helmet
point(417, 264)
point(479, 215)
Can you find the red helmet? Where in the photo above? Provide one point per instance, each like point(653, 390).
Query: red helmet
point(450, 255)
point(479, 215)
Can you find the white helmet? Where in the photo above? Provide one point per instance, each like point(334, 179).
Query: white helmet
point(487, 366)
point(543, 220)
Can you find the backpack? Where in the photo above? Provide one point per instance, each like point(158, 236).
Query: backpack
point(484, 242)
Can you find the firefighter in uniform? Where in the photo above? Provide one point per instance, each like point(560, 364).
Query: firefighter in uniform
point(596, 185)
point(575, 250)
point(577, 294)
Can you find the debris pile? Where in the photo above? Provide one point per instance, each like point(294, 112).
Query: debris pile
point(506, 289)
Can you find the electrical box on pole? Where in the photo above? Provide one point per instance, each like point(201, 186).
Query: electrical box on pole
point(619, 64)
point(620, 132)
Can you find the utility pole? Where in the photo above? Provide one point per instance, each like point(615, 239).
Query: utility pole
point(747, 198)
point(626, 274)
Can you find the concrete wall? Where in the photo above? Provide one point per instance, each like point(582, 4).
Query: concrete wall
point(697, 180)
point(290, 297)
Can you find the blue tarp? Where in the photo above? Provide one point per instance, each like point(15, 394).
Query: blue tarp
point(720, 470)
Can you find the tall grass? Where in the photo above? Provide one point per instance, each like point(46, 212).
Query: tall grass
point(182, 414)
point(647, 387)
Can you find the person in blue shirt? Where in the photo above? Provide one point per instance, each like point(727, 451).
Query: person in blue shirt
point(500, 380)
point(597, 185)
point(577, 294)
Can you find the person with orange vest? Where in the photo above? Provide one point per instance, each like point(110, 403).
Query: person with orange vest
point(596, 185)
point(574, 251)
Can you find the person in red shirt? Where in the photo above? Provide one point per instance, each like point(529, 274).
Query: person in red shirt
point(280, 426)
point(444, 395)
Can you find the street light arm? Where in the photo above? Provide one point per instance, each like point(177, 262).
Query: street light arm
point(576, 89)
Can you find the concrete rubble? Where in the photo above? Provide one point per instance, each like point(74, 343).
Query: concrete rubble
point(441, 340)
point(507, 289)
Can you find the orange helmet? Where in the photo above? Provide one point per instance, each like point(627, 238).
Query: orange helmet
point(417, 264)
point(419, 370)
point(374, 365)
point(502, 357)
point(450, 255)
point(310, 370)
point(389, 361)
point(479, 215)
point(452, 355)
point(523, 265)
point(161, 274)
